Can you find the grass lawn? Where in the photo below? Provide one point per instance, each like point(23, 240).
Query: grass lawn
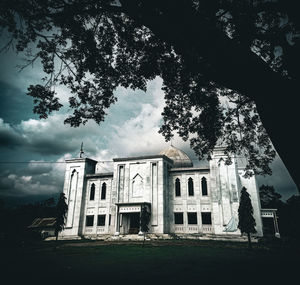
point(159, 262)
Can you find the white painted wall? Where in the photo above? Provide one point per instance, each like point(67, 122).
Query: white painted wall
point(152, 180)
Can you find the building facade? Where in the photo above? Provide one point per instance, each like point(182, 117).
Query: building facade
point(181, 199)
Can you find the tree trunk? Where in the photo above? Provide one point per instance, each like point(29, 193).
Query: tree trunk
point(249, 241)
point(56, 235)
point(279, 115)
point(56, 239)
point(208, 51)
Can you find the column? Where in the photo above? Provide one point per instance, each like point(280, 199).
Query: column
point(140, 231)
point(117, 222)
point(277, 234)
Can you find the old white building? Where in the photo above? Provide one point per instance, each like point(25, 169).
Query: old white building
point(182, 199)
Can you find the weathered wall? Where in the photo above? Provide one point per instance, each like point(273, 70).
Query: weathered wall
point(185, 203)
point(74, 189)
point(139, 181)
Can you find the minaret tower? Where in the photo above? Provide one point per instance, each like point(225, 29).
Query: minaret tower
point(75, 191)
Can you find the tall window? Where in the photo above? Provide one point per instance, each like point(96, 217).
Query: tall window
point(103, 191)
point(177, 187)
point(89, 221)
point(92, 193)
point(178, 218)
point(204, 186)
point(192, 218)
point(206, 218)
point(191, 186)
point(101, 220)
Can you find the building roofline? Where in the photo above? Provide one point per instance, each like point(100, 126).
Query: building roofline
point(107, 174)
point(268, 209)
point(81, 160)
point(132, 203)
point(144, 157)
point(190, 169)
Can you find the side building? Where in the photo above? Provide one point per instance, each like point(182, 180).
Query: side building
point(182, 199)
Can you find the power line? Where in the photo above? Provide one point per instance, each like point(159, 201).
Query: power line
point(42, 162)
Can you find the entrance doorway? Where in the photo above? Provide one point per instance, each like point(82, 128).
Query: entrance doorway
point(268, 226)
point(270, 223)
point(134, 225)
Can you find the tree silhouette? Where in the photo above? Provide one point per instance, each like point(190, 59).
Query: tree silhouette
point(205, 51)
point(145, 219)
point(269, 198)
point(246, 220)
point(61, 212)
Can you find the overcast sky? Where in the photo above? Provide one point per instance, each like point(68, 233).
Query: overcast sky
point(130, 129)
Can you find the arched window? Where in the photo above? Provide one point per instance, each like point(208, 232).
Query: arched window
point(92, 193)
point(204, 186)
point(177, 187)
point(103, 191)
point(191, 186)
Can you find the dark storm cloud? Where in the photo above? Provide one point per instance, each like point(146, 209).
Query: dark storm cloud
point(280, 179)
point(35, 178)
point(9, 138)
point(50, 146)
point(6, 184)
point(15, 104)
point(43, 137)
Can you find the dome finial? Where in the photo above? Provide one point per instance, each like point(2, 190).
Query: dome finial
point(81, 150)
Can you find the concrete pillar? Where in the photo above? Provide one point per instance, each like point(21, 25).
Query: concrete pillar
point(117, 225)
point(277, 234)
point(140, 231)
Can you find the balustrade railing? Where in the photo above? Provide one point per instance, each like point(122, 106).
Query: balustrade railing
point(100, 230)
point(193, 229)
point(207, 229)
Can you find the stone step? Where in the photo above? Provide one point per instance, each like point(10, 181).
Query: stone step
point(151, 236)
